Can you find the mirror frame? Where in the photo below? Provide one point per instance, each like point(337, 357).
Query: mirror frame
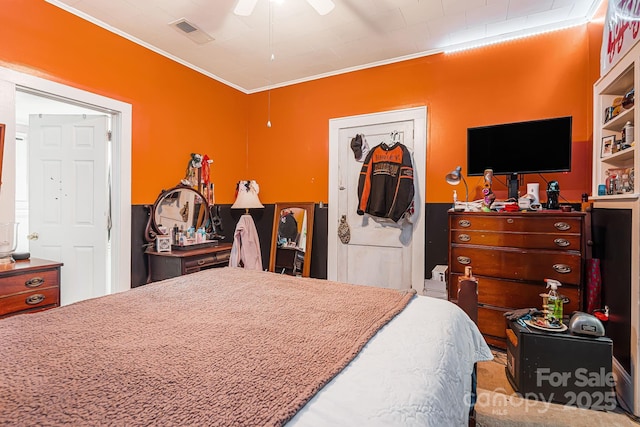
point(151, 231)
point(309, 208)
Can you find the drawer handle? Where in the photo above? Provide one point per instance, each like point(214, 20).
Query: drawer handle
point(34, 299)
point(562, 226)
point(562, 268)
point(464, 237)
point(201, 261)
point(509, 220)
point(34, 282)
point(563, 243)
point(464, 260)
point(464, 223)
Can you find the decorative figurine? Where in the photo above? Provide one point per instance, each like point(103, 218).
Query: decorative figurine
point(488, 196)
point(553, 192)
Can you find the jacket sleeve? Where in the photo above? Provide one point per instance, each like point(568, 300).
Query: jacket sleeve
point(364, 183)
point(405, 189)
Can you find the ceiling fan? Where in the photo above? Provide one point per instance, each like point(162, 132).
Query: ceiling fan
point(245, 7)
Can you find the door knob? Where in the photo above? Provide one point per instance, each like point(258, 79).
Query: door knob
point(33, 236)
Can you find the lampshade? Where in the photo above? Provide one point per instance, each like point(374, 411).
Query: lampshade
point(453, 177)
point(247, 195)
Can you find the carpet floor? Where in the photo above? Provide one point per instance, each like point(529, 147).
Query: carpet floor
point(498, 405)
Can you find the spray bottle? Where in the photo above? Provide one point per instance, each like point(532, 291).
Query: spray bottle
point(554, 301)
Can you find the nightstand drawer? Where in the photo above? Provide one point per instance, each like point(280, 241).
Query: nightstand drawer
point(29, 281)
point(27, 301)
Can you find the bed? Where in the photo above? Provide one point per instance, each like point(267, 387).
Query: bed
point(233, 347)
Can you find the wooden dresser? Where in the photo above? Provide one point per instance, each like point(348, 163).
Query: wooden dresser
point(511, 254)
point(28, 286)
point(165, 265)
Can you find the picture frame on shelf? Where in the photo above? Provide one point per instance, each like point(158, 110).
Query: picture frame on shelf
point(608, 142)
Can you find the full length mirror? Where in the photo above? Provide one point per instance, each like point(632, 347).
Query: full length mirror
point(182, 207)
point(291, 238)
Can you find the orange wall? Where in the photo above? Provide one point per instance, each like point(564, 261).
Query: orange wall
point(177, 111)
point(544, 76)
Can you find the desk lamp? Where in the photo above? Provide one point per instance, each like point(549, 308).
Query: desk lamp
point(454, 178)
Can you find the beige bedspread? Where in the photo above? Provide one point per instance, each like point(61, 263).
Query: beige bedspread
point(219, 347)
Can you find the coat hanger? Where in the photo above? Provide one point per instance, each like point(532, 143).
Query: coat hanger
point(394, 139)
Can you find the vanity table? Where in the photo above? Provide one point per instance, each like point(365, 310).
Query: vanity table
point(165, 265)
point(289, 261)
point(29, 286)
point(181, 208)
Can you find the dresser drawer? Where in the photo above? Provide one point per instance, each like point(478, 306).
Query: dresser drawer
point(45, 297)
point(28, 281)
point(491, 321)
point(196, 263)
point(518, 223)
point(527, 265)
point(515, 295)
point(559, 241)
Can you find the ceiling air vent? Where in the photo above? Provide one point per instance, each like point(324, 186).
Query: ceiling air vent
point(191, 30)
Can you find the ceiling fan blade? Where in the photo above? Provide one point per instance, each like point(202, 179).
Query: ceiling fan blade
point(322, 6)
point(245, 7)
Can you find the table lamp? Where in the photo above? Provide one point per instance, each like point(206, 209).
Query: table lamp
point(247, 196)
point(454, 178)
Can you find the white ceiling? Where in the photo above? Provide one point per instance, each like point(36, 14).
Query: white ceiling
point(356, 34)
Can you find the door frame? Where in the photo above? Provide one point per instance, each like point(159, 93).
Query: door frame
point(419, 117)
point(121, 113)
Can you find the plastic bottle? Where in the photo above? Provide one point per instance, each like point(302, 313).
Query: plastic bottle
point(455, 199)
point(554, 302)
point(628, 135)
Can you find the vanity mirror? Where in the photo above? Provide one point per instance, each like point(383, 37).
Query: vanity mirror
point(181, 206)
point(291, 238)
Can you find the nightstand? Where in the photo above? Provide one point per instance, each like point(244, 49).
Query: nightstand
point(560, 367)
point(29, 286)
point(165, 265)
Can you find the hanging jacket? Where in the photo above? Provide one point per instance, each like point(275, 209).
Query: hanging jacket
point(385, 185)
point(245, 251)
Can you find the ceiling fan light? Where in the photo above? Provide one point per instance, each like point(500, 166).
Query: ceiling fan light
point(322, 6)
point(245, 7)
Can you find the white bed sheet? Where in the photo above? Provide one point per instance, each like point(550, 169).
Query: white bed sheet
point(416, 371)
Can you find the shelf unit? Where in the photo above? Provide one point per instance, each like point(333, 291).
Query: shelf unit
point(614, 84)
point(623, 76)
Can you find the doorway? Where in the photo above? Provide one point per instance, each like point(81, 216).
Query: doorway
point(118, 157)
point(395, 248)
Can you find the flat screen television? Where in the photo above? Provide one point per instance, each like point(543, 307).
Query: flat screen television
point(536, 146)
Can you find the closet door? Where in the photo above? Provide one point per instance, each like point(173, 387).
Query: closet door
point(379, 252)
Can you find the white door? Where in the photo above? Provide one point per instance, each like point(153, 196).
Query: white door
point(68, 193)
point(380, 252)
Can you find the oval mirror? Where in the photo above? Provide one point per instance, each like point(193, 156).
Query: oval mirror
point(180, 206)
point(291, 238)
